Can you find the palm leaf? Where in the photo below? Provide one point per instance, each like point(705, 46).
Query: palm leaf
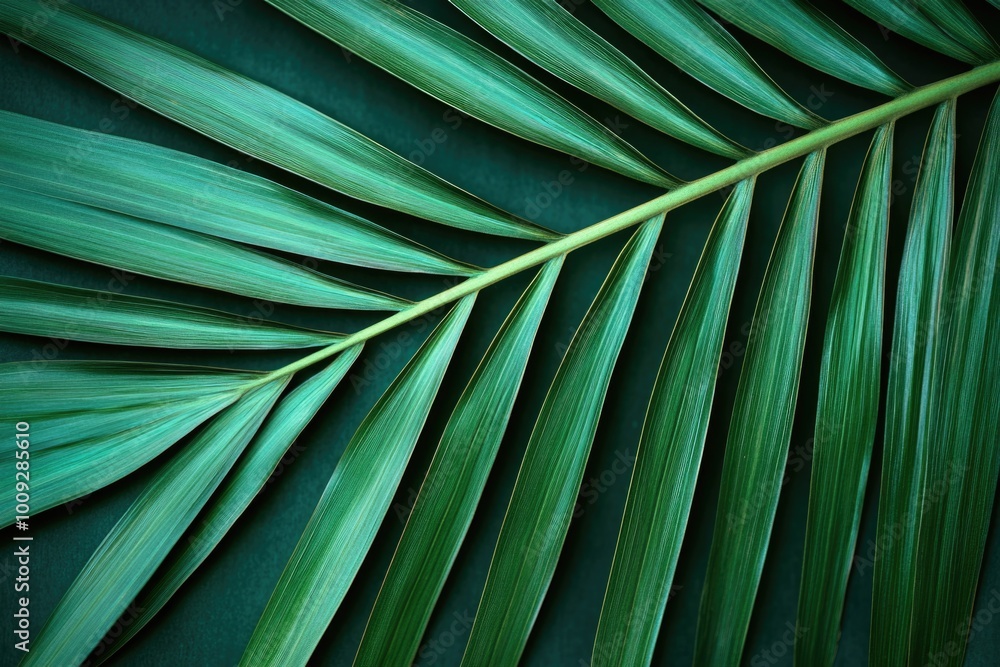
point(130, 553)
point(458, 71)
point(62, 312)
point(342, 528)
point(914, 380)
point(848, 408)
point(669, 453)
point(157, 184)
point(550, 36)
point(148, 210)
point(249, 476)
point(956, 512)
point(909, 19)
point(804, 32)
point(683, 33)
point(94, 423)
point(544, 495)
point(253, 118)
point(444, 507)
point(148, 248)
point(760, 429)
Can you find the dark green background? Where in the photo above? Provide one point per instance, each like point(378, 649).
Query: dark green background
point(209, 622)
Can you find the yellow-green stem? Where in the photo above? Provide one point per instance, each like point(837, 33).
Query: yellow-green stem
point(752, 166)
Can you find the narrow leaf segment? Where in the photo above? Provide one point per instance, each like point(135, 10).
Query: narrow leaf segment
point(759, 432)
point(669, 454)
point(343, 526)
point(541, 505)
point(847, 414)
point(447, 499)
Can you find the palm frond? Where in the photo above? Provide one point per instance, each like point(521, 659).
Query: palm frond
point(550, 36)
point(442, 512)
point(249, 476)
point(72, 313)
point(807, 34)
point(160, 185)
point(683, 33)
point(963, 452)
point(157, 212)
point(846, 419)
point(914, 382)
point(460, 72)
point(544, 496)
point(254, 119)
point(139, 246)
point(139, 542)
point(341, 530)
point(94, 423)
point(669, 453)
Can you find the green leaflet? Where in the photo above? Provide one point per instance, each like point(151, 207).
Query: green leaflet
point(343, 526)
point(906, 18)
point(759, 432)
point(453, 485)
point(683, 33)
point(670, 448)
point(847, 414)
point(544, 32)
point(142, 538)
point(807, 34)
point(541, 505)
point(914, 382)
point(253, 118)
point(458, 71)
point(249, 476)
point(162, 251)
point(62, 312)
point(964, 454)
point(158, 184)
point(94, 422)
point(958, 22)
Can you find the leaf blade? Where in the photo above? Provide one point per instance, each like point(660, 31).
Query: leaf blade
point(248, 478)
point(683, 33)
point(343, 526)
point(807, 34)
point(140, 540)
point(460, 72)
point(549, 35)
point(914, 371)
point(447, 499)
point(169, 187)
point(553, 466)
point(83, 418)
point(254, 119)
point(63, 312)
point(669, 453)
point(846, 418)
point(759, 432)
point(172, 253)
point(956, 519)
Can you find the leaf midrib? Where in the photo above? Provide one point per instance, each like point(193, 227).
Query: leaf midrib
point(833, 133)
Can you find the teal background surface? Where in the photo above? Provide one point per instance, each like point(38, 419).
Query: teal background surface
point(211, 619)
